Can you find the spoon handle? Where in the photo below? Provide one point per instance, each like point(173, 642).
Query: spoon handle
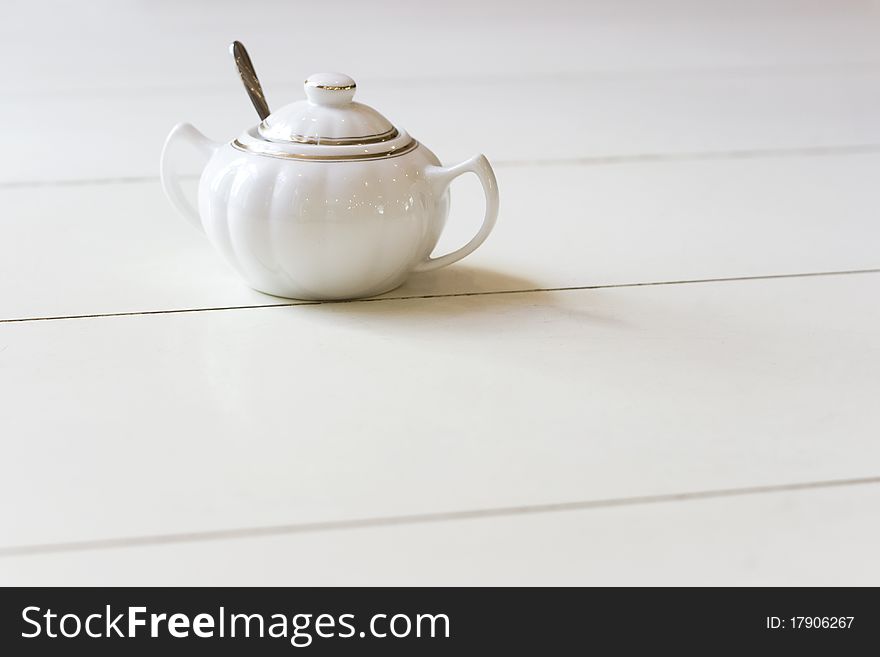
point(249, 78)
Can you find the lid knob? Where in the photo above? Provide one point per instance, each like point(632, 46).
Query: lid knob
point(329, 89)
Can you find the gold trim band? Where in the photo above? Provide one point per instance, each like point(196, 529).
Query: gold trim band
point(345, 141)
point(329, 87)
point(412, 145)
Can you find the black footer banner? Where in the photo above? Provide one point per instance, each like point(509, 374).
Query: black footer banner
point(422, 621)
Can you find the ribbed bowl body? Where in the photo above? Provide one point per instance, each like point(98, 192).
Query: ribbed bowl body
point(321, 230)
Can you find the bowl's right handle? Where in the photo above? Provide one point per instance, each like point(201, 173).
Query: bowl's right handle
point(441, 177)
point(182, 132)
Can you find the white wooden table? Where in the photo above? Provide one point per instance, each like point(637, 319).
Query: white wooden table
point(663, 367)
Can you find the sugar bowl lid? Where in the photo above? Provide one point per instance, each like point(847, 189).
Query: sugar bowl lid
point(327, 125)
point(328, 116)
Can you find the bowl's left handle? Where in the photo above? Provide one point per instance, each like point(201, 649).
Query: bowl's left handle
point(182, 132)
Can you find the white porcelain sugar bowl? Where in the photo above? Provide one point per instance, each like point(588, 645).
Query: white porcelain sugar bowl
point(325, 198)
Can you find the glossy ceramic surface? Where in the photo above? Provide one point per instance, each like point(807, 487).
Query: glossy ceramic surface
point(325, 198)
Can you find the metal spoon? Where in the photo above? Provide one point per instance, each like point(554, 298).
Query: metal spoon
point(249, 78)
